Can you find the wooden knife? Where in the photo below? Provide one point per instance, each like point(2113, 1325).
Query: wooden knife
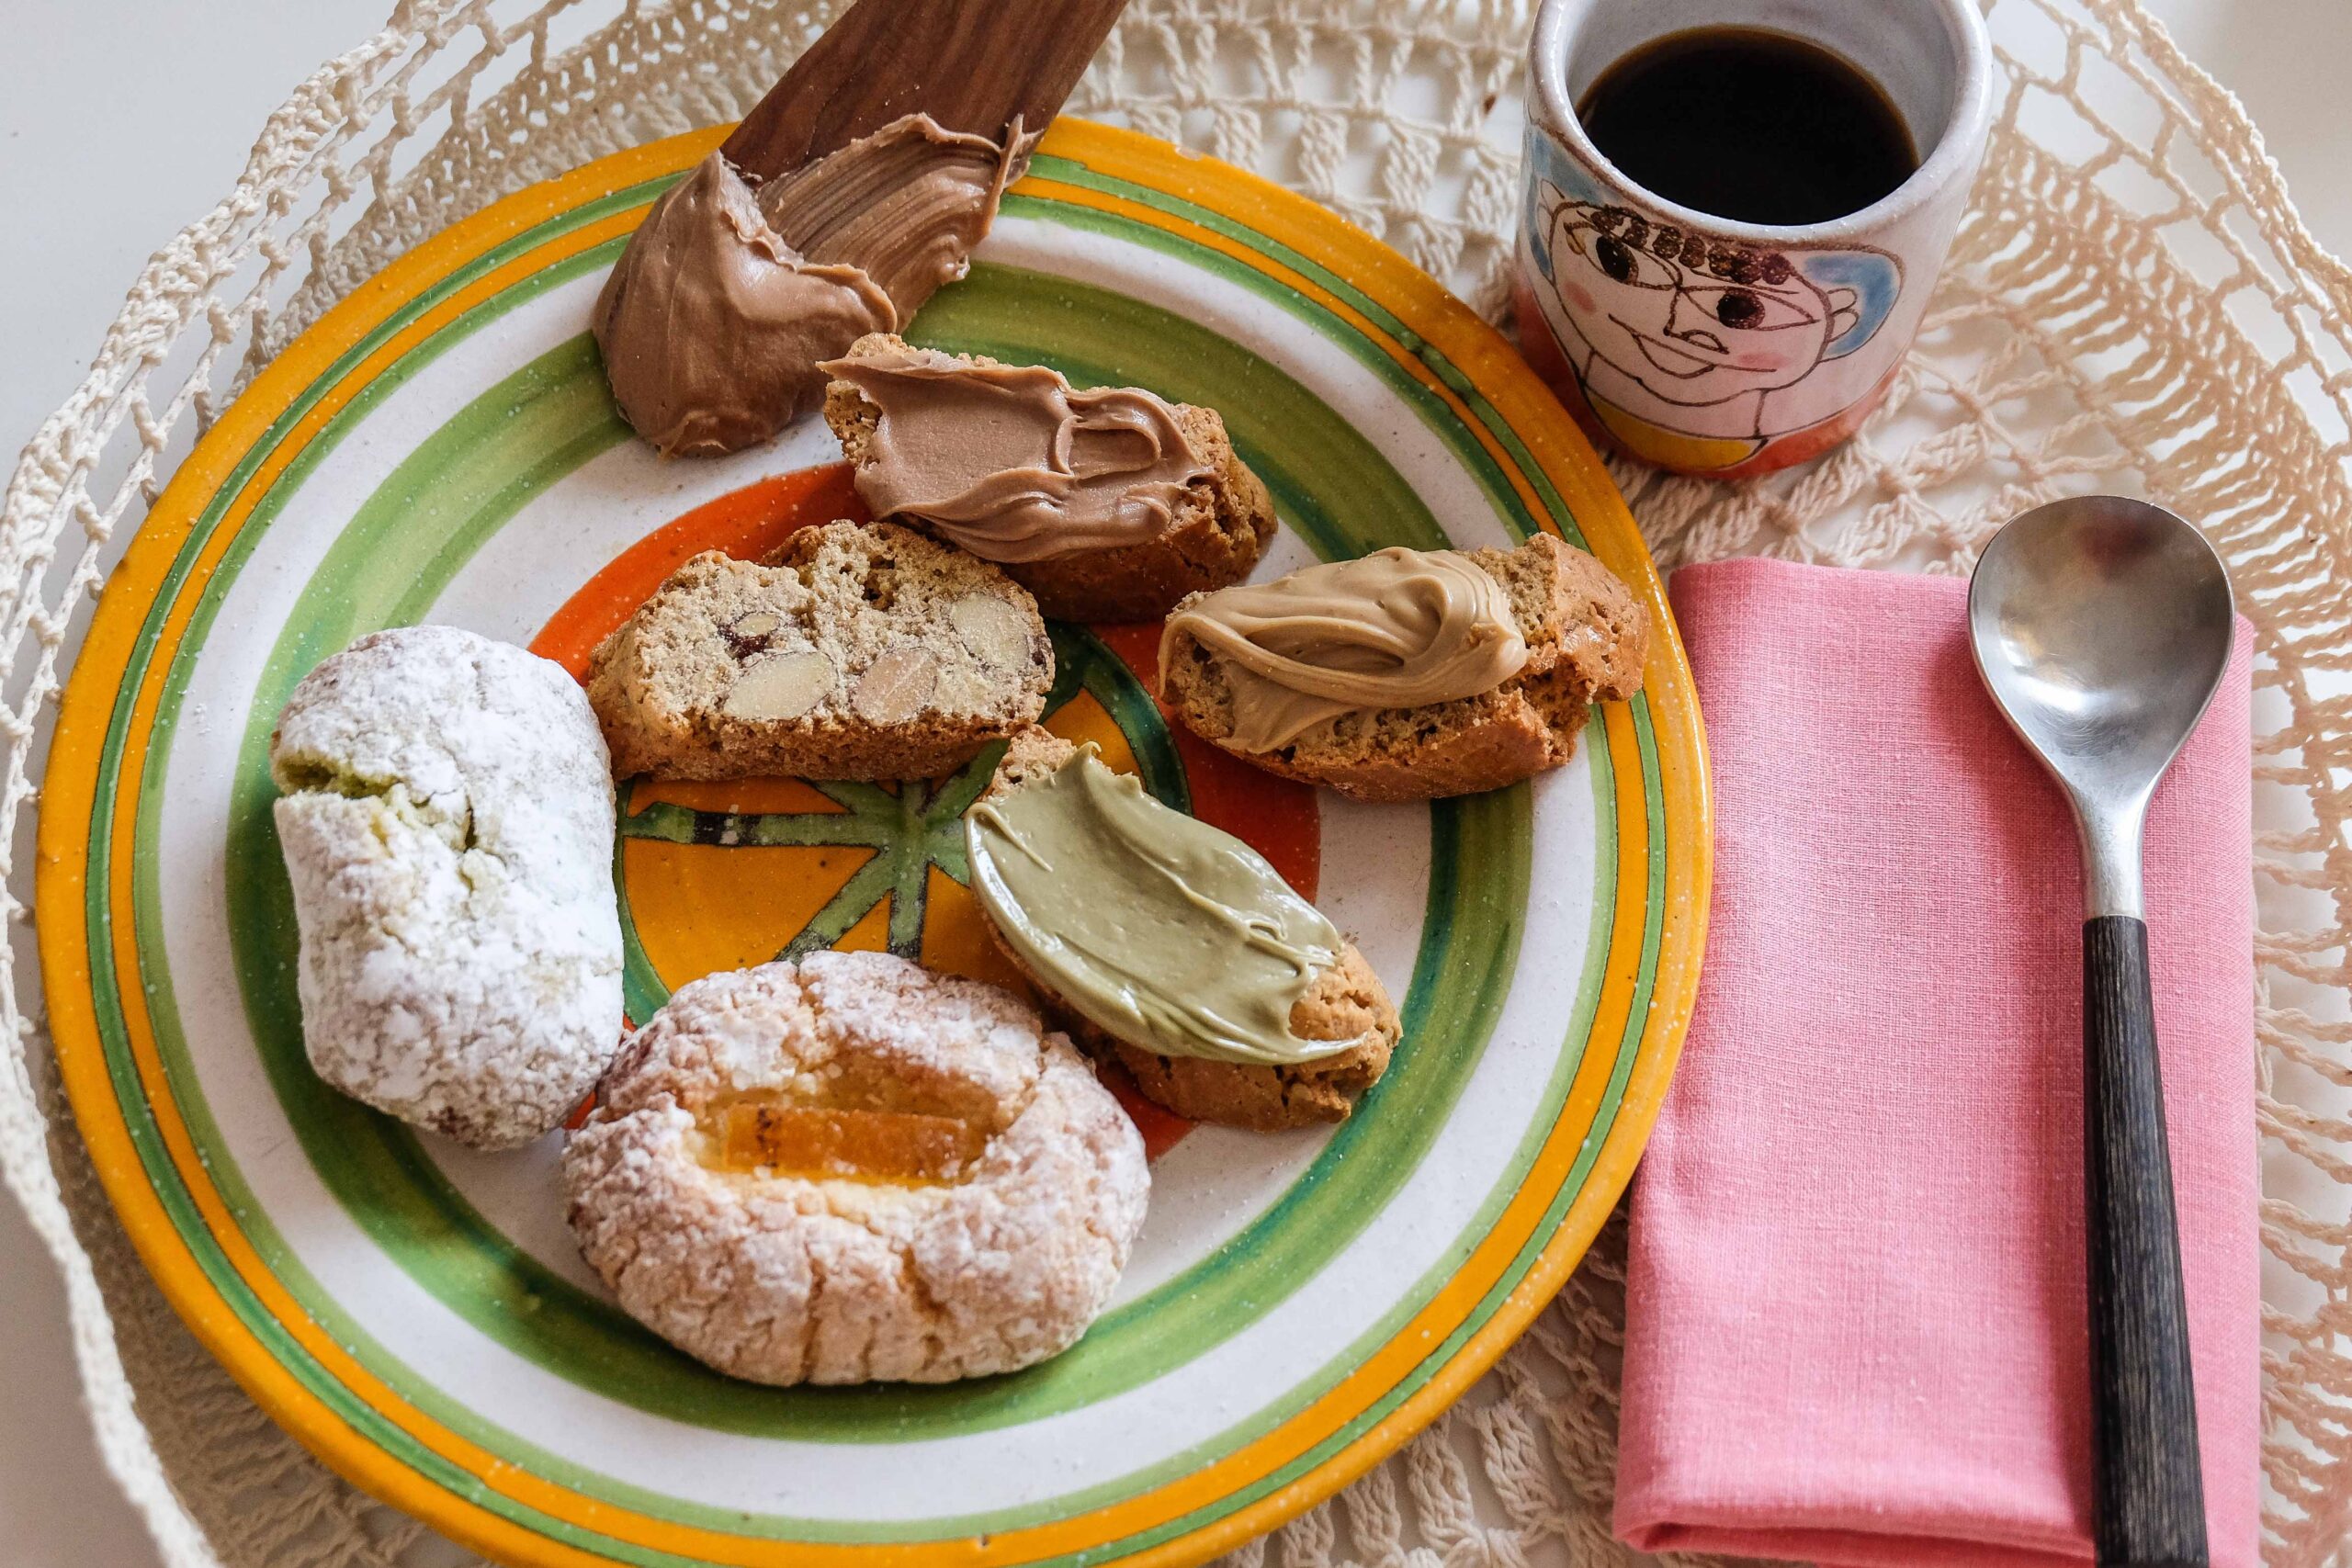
point(970, 64)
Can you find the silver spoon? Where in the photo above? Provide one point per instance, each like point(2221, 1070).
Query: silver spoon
point(2102, 626)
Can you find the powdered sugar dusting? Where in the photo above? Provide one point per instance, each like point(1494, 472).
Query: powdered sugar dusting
point(448, 829)
point(784, 1280)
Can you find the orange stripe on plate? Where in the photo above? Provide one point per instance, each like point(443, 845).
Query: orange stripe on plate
point(66, 821)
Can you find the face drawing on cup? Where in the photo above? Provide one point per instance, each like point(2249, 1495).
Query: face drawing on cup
point(1697, 350)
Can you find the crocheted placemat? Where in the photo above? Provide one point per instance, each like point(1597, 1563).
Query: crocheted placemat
point(2133, 305)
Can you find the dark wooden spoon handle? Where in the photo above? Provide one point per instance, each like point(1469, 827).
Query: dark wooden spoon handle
point(2147, 1491)
point(970, 64)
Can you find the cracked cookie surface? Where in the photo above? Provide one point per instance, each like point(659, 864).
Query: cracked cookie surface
point(447, 826)
point(782, 1275)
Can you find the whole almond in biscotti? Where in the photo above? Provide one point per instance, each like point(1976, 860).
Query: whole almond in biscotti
point(857, 650)
point(779, 685)
point(1408, 674)
point(1121, 912)
point(989, 627)
point(850, 1168)
point(896, 686)
point(1108, 504)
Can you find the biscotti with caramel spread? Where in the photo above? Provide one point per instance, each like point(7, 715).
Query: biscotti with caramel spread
point(1209, 532)
point(854, 651)
point(1585, 639)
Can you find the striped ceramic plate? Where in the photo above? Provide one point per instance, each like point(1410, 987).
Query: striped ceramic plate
point(441, 448)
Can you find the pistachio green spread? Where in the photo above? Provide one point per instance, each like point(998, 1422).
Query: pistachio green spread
point(1160, 930)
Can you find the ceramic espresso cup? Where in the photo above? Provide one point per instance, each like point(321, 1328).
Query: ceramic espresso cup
point(1722, 348)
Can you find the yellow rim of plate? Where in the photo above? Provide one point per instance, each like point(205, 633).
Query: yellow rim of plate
point(1397, 286)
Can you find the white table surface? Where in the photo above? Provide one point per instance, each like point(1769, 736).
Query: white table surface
point(121, 120)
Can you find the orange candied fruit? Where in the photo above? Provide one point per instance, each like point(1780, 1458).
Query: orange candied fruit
point(869, 1145)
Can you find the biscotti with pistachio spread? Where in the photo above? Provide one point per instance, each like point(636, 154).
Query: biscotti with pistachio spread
point(1108, 504)
point(1126, 914)
point(856, 651)
point(1408, 674)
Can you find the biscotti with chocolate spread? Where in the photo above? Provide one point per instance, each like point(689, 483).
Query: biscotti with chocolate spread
point(1108, 504)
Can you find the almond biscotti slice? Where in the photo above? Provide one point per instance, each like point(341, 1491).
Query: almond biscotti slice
point(1584, 638)
point(1108, 505)
point(1342, 1014)
point(857, 650)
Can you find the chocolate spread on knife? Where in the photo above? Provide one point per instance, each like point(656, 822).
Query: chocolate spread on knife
point(905, 205)
point(1012, 464)
point(1163, 931)
point(712, 325)
point(716, 316)
point(1397, 628)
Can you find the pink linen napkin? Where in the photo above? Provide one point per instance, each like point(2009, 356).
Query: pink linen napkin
point(1855, 1326)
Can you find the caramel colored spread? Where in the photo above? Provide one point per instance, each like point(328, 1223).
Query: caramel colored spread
point(1397, 628)
point(714, 318)
point(1009, 462)
point(1162, 930)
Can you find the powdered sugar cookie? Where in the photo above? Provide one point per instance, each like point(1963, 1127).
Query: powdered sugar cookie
point(849, 1169)
point(448, 824)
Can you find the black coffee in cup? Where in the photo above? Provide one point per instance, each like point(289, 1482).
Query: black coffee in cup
point(1748, 124)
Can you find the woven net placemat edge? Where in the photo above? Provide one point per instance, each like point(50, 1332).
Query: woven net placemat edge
point(1523, 1466)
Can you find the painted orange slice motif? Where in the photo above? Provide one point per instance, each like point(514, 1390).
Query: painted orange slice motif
point(723, 876)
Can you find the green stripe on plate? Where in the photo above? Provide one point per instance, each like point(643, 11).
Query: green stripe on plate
point(1311, 509)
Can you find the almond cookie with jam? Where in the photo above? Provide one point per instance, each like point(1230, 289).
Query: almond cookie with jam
point(851, 1169)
